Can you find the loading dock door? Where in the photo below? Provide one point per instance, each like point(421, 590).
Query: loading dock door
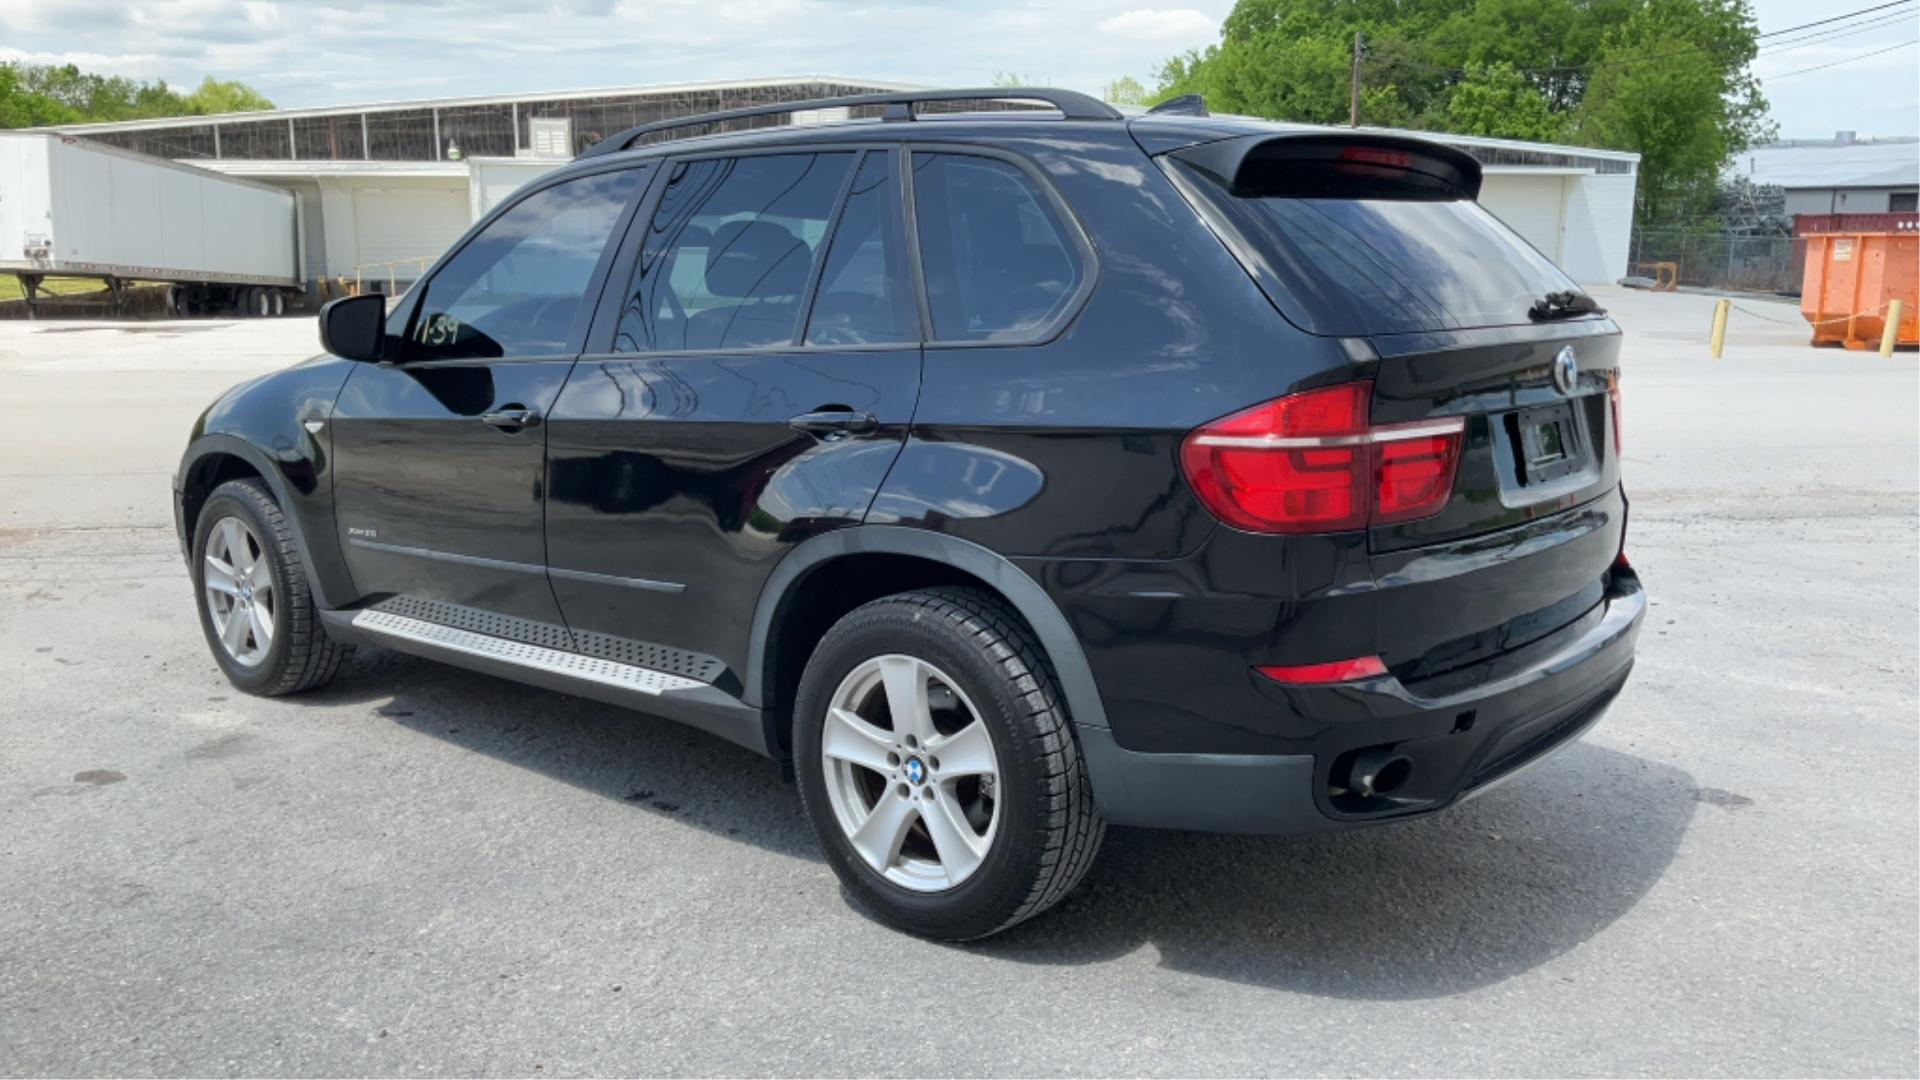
point(1533, 206)
point(406, 223)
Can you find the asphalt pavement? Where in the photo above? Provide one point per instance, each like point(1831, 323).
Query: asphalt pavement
point(420, 870)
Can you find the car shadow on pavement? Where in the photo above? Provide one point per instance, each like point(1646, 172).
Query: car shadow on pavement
point(1412, 910)
point(1418, 909)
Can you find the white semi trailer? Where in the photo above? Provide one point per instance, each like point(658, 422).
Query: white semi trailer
point(74, 208)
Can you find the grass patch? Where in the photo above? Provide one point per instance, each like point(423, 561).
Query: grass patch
point(11, 289)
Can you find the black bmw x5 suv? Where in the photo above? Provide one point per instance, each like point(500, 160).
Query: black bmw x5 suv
point(1001, 475)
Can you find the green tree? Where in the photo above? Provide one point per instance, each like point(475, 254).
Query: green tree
point(40, 94)
point(1495, 99)
point(1125, 90)
point(214, 96)
point(1667, 78)
point(21, 107)
point(1672, 83)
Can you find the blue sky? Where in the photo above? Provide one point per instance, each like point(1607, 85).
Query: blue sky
point(349, 51)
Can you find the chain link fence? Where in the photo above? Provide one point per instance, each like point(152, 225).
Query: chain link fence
point(1718, 260)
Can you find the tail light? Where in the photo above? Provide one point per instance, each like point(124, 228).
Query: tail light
point(1324, 674)
point(1312, 463)
point(1613, 403)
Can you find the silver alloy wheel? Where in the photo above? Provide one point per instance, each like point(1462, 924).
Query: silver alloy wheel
point(911, 773)
point(239, 588)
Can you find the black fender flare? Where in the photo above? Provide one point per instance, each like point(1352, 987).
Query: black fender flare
point(269, 469)
point(1020, 590)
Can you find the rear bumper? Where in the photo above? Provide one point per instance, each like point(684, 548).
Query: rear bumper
point(1463, 734)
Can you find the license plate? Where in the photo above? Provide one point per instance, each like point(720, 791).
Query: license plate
point(1548, 446)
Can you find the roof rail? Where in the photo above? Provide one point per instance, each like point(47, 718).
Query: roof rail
point(899, 106)
point(1184, 105)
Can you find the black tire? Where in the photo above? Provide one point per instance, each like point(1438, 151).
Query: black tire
point(1049, 832)
point(301, 656)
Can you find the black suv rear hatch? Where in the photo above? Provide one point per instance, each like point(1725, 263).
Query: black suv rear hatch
point(1378, 240)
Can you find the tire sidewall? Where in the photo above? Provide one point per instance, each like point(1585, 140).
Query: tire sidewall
point(986, 899)
point(226, 503)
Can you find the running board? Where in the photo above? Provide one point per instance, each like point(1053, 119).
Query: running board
point(522, 655)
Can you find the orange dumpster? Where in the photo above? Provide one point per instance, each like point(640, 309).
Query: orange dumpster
point(1855, 265)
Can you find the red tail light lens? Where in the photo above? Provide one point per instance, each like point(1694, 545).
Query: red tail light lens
point(1311, 463)
point(1613, 402)
point(1333, 671)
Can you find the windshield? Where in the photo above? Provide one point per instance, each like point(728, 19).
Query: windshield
point(1357, 267)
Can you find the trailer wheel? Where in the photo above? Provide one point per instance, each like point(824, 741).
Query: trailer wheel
point(176, 302)
point(279, 302)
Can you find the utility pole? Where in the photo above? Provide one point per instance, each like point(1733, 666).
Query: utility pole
point(1353, 111)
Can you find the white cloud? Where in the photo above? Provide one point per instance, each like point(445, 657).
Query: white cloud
point(319, 52)
point(1181, 25)
point(322, 52)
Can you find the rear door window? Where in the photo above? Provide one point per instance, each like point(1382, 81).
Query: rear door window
point(998, 260)
point(1377, 265)
point(729, 253)
point(866, 295)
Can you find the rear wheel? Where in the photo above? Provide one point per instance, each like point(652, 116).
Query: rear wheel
point(255, 607)
point(938, 766)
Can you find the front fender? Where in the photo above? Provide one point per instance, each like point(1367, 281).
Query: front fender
point(278, 425)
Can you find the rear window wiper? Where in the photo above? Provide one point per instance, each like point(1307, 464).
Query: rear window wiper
point(1564, 305)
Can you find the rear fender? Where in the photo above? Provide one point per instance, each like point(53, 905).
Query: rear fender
point(1020, 590)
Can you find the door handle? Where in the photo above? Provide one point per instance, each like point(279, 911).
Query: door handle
point(835, 422)
point(512, 418)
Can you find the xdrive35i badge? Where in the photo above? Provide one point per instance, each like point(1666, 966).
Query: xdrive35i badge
point(1566, 371)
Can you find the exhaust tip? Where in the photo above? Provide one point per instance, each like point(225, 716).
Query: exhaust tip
point(1379, 772)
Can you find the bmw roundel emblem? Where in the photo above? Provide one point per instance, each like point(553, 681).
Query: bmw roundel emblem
point(916, 772)
point(1566, 371)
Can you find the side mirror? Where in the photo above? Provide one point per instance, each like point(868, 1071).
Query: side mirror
point(355, 327)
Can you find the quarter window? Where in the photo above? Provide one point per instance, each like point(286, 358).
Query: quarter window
point(997, 258)
point(729, 252)
point(515, 288)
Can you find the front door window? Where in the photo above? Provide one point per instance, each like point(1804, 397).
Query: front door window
point(515, 289)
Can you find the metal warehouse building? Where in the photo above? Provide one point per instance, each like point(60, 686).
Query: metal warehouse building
point(385, 187)
point(1847, 175)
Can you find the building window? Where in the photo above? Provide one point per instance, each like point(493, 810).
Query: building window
point(1903, 202)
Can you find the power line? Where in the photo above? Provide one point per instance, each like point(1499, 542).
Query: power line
point(1692, 50)
point(1821, 37)
point(1837, 63)
point(1836, 18)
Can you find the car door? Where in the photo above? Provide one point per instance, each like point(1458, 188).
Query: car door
point(718, 424)
point(439, 455)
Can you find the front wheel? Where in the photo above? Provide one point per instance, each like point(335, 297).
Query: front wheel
point(255, 607)
point(938, 766)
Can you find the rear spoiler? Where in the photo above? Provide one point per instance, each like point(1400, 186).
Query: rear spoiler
point(1336, 165)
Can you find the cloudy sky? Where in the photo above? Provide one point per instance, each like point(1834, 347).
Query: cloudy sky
point(348, 51)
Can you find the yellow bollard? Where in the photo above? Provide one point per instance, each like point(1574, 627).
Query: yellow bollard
point(1892, 333)
point(1719, 338)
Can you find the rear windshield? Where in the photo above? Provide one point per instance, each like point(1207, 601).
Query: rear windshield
point(1357, 267)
